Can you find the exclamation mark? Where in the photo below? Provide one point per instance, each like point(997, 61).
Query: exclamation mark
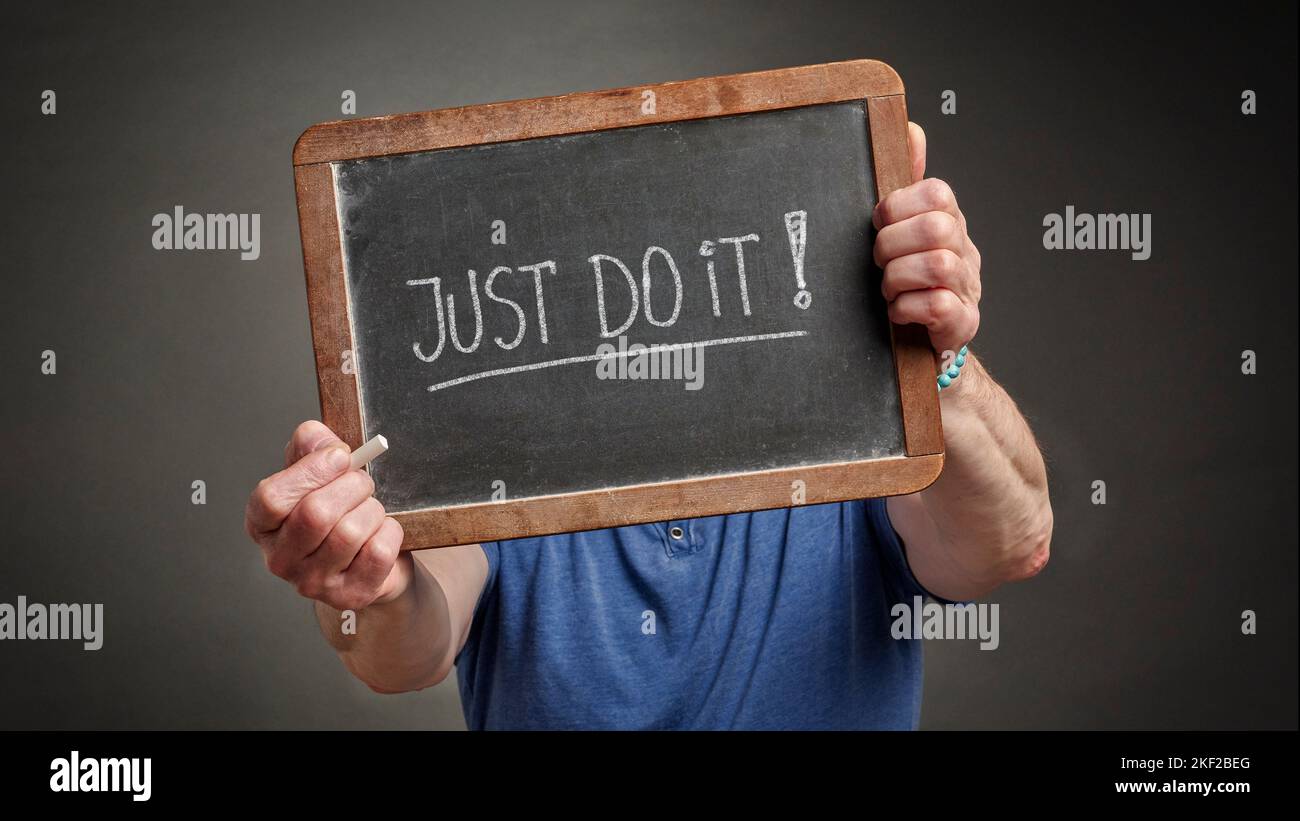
point(796, 228)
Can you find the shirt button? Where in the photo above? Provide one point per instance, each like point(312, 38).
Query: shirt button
point(676, 533)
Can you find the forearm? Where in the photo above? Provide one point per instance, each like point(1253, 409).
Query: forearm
point(401, 645)
point(987, 519)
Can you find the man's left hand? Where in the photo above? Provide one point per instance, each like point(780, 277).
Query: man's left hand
point(931, 267)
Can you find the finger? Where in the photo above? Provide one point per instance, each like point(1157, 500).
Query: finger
point(950, 322)
point(928, 269)
point(916, 143)
point(307, 437)
point(312, 520)
point(276, 496)
point(931, 231)
point(348, 536)
point(917, 198)
point(374, 562)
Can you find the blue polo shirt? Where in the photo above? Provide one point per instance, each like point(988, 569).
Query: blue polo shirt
point(775, 619)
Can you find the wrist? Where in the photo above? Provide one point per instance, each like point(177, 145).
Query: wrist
point(961, 390)
point(396, 601)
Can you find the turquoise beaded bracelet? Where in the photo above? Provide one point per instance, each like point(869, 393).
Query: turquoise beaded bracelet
point(945, 379)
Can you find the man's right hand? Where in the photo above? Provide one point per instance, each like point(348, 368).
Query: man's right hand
point(322, 530)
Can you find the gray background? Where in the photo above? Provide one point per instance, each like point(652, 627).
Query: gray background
point(182, 366)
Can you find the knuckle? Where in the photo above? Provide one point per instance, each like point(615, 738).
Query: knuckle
point(939, 305)
point(889, 280)
point(880, 252)
point(934, 227)
point(385, 550)
point(315, 515)
point(948, 227)
point(949, 302)
point(349, 532)
point(939, 195)
point(265, 497)
point(352, 528)
point(264, 509)
point(283, 564)
point(310, 587)
point(369, 562)
point(331, 591)
point(887, 209)
point(332, 585)
point(946, 265)
point(276, 563)
point(930, 310)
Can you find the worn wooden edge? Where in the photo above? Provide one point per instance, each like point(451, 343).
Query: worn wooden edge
point(686, 499)
point(914, 359)
point(595, 111)
point(327, 300)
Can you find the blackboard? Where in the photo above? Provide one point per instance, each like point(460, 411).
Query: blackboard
point(628, 322)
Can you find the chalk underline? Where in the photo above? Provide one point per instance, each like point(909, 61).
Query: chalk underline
point(596, 357)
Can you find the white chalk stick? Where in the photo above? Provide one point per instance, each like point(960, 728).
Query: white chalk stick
point(366, 454)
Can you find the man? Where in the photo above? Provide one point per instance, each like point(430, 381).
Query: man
point(755, 620)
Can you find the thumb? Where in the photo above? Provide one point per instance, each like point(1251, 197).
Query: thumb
point(916, 142)
point(310, 437)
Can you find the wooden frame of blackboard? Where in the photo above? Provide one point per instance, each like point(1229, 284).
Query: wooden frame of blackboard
point(322, 145)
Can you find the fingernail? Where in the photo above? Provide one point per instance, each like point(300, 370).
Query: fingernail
point(337, 458)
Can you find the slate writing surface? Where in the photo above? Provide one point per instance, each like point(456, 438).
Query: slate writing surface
point(494, 363)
